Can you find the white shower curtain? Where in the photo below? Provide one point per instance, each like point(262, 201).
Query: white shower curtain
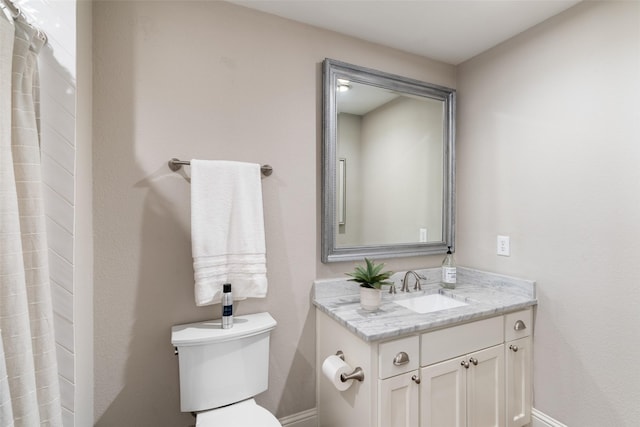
point(29, 390)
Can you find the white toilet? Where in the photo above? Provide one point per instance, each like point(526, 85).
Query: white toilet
point(221, 370)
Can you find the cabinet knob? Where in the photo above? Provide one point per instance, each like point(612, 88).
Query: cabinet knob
point(519, 326)
point(415, 379)
point(513, 347)
point(401, 358)
point(474, 361)
point(465, 364)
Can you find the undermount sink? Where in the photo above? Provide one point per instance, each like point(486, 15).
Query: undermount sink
point(430, 303)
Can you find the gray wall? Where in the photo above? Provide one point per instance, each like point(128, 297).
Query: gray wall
point(548, 153)
point(215, 81)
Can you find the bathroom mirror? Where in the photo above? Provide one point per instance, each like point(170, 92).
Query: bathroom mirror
point(388, 157)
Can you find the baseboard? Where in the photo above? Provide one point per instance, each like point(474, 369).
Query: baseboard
point(540, 419)
point(308, 418)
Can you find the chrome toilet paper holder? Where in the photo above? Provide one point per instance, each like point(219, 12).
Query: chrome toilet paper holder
point(357, 374)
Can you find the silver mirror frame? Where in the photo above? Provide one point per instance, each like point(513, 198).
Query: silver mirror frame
point(332, 70)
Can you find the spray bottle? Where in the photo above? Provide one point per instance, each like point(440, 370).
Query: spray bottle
point(227, 307)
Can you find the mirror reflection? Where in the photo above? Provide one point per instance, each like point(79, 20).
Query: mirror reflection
point(392, 144)
point(388, 165)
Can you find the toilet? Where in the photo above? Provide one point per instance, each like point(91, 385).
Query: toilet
point(221, 370)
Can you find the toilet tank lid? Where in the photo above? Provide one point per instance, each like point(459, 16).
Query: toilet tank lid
point(210, 331)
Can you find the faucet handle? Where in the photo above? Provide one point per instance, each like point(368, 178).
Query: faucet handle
point(392, 288)
point(418, 286)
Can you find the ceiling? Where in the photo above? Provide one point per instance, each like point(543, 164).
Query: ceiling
point(450, 31)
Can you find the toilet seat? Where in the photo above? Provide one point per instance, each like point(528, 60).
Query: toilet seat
point(243, 414)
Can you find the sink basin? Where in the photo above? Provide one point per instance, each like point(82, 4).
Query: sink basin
point(430, 303)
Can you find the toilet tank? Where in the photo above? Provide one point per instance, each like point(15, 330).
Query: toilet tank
point(222, 366)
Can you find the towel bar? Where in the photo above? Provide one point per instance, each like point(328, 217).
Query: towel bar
point(176, 164)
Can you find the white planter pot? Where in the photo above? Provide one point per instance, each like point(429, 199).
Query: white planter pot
point(370, 299)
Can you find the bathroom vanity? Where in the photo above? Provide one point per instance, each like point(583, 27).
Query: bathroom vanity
point(464, 366)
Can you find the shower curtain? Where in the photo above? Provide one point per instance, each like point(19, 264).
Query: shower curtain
point(29, 390)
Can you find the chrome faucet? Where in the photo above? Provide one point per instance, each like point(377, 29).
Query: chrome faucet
point(405, 281)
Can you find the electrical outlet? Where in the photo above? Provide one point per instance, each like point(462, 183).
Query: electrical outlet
point(423, 235)
point(504, 246)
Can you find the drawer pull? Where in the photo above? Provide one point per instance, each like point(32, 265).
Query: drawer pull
point(513, 347)
point(401, 358)
point(519, 326)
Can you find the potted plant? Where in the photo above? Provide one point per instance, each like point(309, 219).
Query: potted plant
point(371, 280)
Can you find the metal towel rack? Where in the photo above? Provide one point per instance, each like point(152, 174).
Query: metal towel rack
point(176, 164)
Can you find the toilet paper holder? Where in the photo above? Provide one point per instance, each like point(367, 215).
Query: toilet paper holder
point(357, 374)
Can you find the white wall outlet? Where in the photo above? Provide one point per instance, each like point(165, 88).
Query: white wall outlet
point(504, 246)
point(423, 235)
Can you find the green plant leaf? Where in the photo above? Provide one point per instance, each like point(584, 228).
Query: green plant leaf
point(371, 277)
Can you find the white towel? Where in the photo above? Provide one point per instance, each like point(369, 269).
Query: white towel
point(227, 230)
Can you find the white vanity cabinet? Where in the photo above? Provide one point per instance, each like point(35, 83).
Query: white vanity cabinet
point(398, 383)
point(518, 367)
point(464, 391)
point(398, 400)
point(463, 375)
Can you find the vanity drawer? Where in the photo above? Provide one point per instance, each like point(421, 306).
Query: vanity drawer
point(446, 343)
point(398, 356)
point(518, 325)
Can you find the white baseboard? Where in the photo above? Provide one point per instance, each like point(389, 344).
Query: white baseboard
point(308, 418)
point(540, 419)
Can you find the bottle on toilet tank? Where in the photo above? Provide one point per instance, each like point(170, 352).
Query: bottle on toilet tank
point(227, 306)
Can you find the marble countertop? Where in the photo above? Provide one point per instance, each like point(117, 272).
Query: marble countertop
point(486, 295)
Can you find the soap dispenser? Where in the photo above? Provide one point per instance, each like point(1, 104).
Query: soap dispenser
point(449, 271)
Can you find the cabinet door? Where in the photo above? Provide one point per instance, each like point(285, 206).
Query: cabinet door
point(398, 401)
point(518, 361)
point(485, 388)
point(443, 394)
